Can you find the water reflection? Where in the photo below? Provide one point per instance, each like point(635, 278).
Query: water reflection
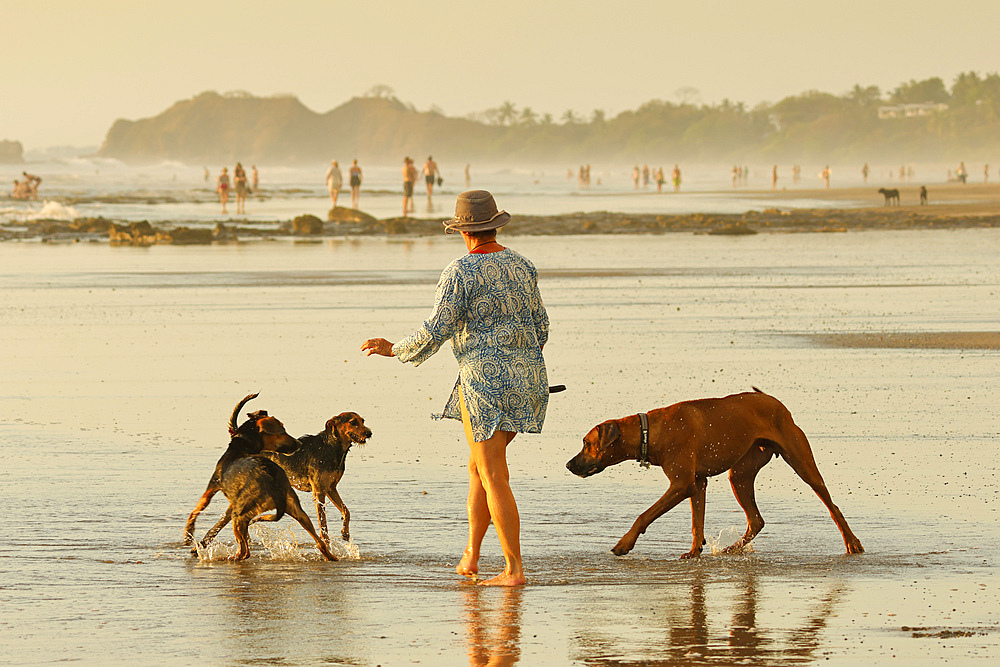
point(493, 624)
point(696, 633)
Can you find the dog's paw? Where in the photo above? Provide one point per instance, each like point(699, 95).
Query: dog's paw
point(623, 547)
point(694, 553)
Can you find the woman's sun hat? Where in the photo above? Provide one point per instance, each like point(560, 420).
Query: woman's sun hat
point(476, 211)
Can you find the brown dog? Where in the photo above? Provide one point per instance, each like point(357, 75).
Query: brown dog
point(694, 440)
point(319, 463)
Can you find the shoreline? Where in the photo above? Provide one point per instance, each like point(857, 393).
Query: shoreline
point(951, 206)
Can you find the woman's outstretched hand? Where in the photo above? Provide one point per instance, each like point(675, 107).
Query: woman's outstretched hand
point(377, 346)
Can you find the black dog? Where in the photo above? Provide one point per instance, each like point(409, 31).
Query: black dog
point(890, 195)
point(319, 463)
point(252, 483)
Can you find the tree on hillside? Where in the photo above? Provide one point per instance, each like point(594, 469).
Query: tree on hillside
point(569, 117)
point(919, 92)
point(380, 90)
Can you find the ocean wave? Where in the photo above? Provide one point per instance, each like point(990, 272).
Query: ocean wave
point(50, 210)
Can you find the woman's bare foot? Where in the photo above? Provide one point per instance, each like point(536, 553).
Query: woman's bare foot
point(505, 579)
point(469, 565)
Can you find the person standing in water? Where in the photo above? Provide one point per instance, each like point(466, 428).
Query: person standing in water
point(431, 174)
point(334, 181)
point(355, 176)
point(240, 177)
point(222, 187)
point(488, 305)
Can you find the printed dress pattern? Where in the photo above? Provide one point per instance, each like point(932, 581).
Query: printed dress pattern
point(489, 307)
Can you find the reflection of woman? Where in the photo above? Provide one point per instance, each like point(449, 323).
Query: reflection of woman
point(222, 187)
point(488, 305)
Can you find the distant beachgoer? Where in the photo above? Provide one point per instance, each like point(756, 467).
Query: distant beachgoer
point(735, 174)
point(986, 174)
point(256, 178)
point(222, 187)
point(923, 195)
point(409, 180)
point(207, 174)
point(355, 175)
point(796, 174)
point(431, 174)
point(675, 177)
point(774, 177)
point(825, 175)
point(961, 173)
point(32, 182)
point(240, 185)
point(468, 177)
point(645, 175)
point(635, 176)
point(864, 172)
point(22, 190)
point(660, 179)
point(334, 182)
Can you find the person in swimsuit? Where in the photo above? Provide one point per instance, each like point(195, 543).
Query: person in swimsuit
point(431, 174)
point(222, 187)
point(409, 180)
point(334, 181)
point(240, 178)
point(355, 175)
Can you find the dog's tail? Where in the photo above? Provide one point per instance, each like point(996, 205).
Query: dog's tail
point(280, 504)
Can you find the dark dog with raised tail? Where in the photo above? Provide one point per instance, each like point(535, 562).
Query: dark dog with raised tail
point(252, 483)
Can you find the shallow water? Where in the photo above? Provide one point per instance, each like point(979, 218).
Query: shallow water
point(123, 364)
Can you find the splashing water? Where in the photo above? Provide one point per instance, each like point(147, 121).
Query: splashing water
point(276, 544)
point(726, 537)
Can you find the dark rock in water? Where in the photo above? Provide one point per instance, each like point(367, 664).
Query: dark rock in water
point(136, 233)
point(91, 225)
point(11, 152)
point(185, 236)
point(736, 229)
point(307, 225)
point(223, 233)
point(351, 215)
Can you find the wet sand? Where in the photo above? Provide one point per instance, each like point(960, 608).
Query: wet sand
point(940, 340)
point(122, 365)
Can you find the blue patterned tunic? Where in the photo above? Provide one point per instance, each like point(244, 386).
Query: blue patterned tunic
point(489, 307)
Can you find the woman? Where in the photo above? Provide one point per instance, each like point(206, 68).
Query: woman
point(355, 175)
point(240, 178)
point(487, 304)
point(222, 187)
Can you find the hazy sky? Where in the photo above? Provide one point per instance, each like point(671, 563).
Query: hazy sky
point(71, 67)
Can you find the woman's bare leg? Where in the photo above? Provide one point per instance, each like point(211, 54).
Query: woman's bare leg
point(491, 499)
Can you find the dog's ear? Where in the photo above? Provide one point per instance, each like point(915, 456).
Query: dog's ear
point(335, 424)
point(608, 432)
point(270, 426)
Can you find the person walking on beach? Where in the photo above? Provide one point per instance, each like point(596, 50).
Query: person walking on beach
point(431, 174)
point(864, 172)
point(240, 178)
point(488, 305)
point(222, 187)
point(660, 179)
point(409, 181)
point(635, 176)
point(774, 177)
point(825, 175)
point(468, 176)
point(334, 181)
point(675, 177)
point(256, 178)
point(355, 176)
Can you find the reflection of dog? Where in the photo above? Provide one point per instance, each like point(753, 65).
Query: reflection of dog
point(695, 440)
point(318, 464)
point(252, 484)
point(891, 195)
point(923, 195)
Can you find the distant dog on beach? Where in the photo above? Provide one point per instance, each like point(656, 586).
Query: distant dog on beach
point(253, 484)
point(891, 195)
point(923, 195)
point(319, 463)
point(694, 440)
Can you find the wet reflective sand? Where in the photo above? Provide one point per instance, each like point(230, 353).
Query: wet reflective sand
point(121, 366)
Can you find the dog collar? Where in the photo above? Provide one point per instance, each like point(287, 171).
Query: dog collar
point(643, 457)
